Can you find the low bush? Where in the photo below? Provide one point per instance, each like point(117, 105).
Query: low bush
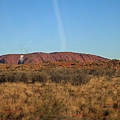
point(74, 76)
point(118, 73)
point(23, 76)
point(39, 77)
point(100, 72)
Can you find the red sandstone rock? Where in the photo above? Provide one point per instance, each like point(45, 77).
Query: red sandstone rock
point(40, 57)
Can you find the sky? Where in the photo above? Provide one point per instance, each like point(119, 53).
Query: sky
point(83, 26)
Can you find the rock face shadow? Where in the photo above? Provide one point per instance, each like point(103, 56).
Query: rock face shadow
point(2, 61)
point(22, 62)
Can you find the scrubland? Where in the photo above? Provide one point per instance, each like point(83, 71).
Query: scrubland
point(60, 94)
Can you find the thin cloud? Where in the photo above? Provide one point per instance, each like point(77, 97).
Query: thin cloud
point(60, 25)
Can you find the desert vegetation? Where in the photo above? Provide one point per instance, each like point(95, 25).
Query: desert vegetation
point(53, 92)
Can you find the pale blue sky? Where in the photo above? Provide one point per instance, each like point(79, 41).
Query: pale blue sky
point(84, 26)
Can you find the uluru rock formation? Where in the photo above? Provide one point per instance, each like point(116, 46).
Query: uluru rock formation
point(40, 57)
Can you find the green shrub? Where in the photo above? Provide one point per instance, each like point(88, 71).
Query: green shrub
point(100, 72)
point(23, 76)
point(39, 76)
point(117, 73)
point(74, 76)
point(80, 78)
point(59, 75)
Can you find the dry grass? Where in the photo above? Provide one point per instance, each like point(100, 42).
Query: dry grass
point(99, 99)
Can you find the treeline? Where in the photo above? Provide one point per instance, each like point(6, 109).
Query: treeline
point(76, 76)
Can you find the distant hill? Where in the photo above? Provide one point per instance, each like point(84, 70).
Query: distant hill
point(40, 57)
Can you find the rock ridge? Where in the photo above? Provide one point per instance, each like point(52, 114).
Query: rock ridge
point(40, 57)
